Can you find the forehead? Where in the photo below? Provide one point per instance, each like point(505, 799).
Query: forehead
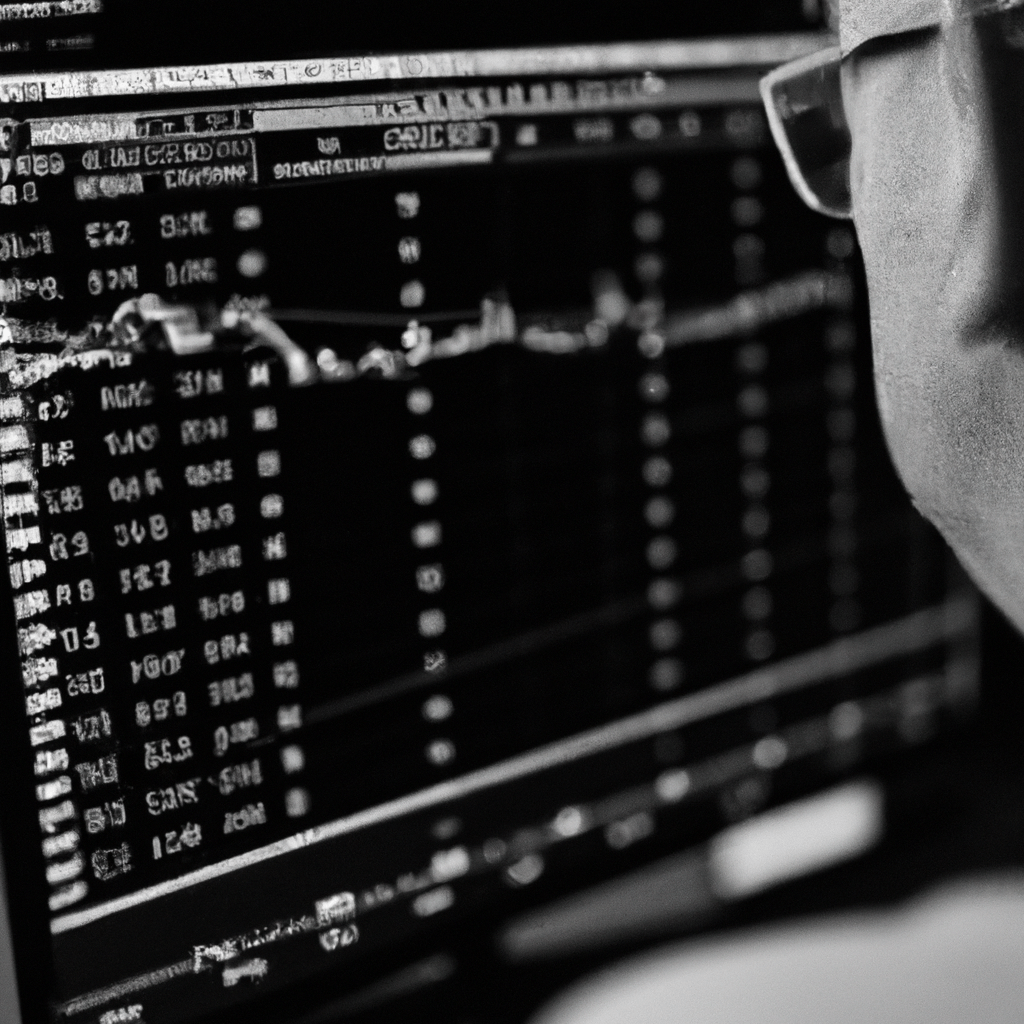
point(861, 20)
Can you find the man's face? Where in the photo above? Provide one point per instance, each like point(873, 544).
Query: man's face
point(937, 125)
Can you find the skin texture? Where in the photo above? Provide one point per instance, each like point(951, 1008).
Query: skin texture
point(937, 125)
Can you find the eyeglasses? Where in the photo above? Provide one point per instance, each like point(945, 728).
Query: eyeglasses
point(804, 103)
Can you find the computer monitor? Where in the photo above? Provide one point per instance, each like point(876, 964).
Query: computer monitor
point(432, 481)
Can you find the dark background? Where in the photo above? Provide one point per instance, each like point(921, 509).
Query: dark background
point(133, 34)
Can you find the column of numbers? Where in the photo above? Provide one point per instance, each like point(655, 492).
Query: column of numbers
point(274, 553)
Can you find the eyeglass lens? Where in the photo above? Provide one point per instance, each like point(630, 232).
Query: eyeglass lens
point(805, 110)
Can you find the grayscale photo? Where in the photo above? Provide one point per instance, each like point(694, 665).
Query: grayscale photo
point(512, 515)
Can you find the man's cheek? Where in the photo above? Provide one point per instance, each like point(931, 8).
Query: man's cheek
point(949, 363)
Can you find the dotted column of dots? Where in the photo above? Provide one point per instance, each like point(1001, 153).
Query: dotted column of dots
point(430, 573)
point(427, 533)
point(252, 262)
point(284, 669)
point(841, 424)
point(412, 293)
point(756, 605)
point(648, 229)
point(665, 632)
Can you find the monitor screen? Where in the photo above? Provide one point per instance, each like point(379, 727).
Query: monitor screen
point(432, 481)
